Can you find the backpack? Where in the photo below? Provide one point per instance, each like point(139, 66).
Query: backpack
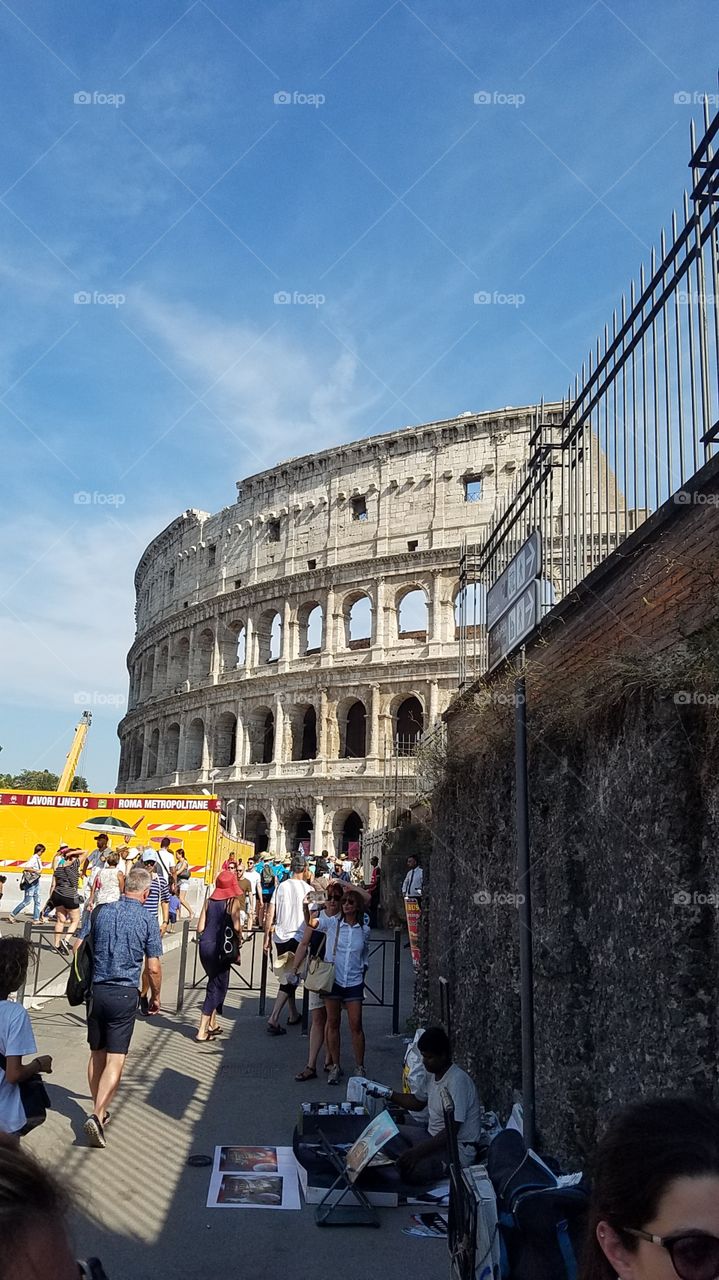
point(267, 877)
point(79, 978)
point(541, 1223)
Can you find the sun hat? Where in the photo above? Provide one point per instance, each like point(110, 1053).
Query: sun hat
point(362, 894)
point(63, 848)
point(226, 886)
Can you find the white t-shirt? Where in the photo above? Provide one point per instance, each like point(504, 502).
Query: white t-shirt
point(288, 900)
point(254, 879)
point(350, 958)
point(34, 864)
point(165, 862)
point(16, 1040)
point(467, 1109)
point(412, 883)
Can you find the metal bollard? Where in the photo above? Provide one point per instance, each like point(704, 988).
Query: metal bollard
point(305, 1011)
point(263, 985)
point(396, 970)
point(183, 966)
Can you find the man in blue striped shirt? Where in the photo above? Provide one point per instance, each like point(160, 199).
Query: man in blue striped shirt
point(157, 899)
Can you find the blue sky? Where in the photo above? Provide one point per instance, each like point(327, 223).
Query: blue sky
point(147, 165)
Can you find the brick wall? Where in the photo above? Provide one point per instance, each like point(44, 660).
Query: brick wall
point(624, 812)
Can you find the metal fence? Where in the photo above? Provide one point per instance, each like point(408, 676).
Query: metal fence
point(640, 421)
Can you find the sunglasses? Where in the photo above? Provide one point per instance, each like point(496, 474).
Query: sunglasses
point(335, 897)
point(694, 1255)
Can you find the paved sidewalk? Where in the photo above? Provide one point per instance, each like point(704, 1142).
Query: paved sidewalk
point(142, 1210)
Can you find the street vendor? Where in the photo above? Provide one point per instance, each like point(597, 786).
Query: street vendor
point(422, 1153)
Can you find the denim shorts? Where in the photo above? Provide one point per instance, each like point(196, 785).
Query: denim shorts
point(347, 994)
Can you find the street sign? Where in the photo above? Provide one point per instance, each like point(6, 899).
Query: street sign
point(520, 618)
point(527, 564)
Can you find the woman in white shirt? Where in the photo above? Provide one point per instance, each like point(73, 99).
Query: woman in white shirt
point(347, 948)
point(109, 883)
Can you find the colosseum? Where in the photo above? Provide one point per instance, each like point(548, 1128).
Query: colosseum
point(294, 647)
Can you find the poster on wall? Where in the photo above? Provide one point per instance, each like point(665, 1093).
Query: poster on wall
point(253, 1178)
point(413, 911)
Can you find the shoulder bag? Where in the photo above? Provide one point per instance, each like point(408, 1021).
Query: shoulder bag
point(320, 976)
point(228, 951)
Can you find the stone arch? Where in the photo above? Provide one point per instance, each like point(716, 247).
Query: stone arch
point(269, 637)
point(124, 765)
point(225, 744)
point(407, 724)
point(412, 613)
point(475, 607)
point(148, 670)
point(310, 621)
point(171, 748)
point(159, 681)
point(255, 830)
point(357, 617)
point(136, 755)
point(202, 654)
point(261, 726)
point(153, 752)
point(347, 828)
point(352, 720)
point(232, 638)
point(195, 744)
point(180, 661)
point(304, 731)
point(298, 831)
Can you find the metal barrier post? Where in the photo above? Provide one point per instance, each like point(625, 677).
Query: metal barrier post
point(183, 966)
point(27, 935)
point(305, 1011)
point(395, 980)
point(263, 985)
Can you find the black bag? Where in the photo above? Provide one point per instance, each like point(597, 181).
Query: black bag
point(27, 880)
point(34, 1098)
point(541, 1224)
point(79, 978)
point(228, 951)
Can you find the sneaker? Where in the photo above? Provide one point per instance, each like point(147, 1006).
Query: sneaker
point(94, 1131)
point(334, 1075)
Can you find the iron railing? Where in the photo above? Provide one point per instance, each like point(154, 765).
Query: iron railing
point(641, 420)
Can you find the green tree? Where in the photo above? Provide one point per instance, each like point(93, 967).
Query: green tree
point(39, 780)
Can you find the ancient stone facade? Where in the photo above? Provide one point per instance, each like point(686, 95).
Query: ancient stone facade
point(292, 646)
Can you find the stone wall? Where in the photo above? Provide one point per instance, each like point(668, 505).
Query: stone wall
point(623, 724)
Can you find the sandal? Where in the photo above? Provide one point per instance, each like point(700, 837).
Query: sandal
point(293, 1022)
point(309, 1073)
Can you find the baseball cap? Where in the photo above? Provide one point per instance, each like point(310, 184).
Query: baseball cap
point(149, 856)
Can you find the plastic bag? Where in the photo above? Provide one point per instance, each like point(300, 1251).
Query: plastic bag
point(414, 1077)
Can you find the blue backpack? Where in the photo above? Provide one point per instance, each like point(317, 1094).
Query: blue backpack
point(541, 1223)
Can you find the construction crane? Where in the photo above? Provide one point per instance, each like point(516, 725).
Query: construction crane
point(73, 754)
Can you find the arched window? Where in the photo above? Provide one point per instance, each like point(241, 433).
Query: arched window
point(471, 602)
point(148, 668)
point(310, 623)
point(298, 831)
point(137, 744)
point(231, 636)
point(261, 725)
point(171, 748)
point(204, 646)
point(409, 726)
point(357, 612)
point(347, 829)
point(255, 830)
point(355, 745)
point(225, 740)
point(269, 637)
point(180, 661)
point(195, 745)
point(412, 615)
point(152, 753)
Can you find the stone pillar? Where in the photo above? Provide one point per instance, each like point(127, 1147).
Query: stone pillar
point(437, 629)
point(373, 815)
point(379, 623)
point(322, 726)
point(329, 639)
point(433, 710)
point(249, 643)
point(374, 722)
point(288, 634)
point(277, 750)
point(274, 828)
point(318, 826)
point(145, 751)
point(216, 664)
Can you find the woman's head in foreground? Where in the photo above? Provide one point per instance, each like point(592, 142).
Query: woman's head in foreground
point(654, 1213)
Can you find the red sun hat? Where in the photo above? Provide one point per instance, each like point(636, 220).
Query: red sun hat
point(226, 886)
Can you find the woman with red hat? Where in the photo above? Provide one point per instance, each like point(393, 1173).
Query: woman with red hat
point(223, 907)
